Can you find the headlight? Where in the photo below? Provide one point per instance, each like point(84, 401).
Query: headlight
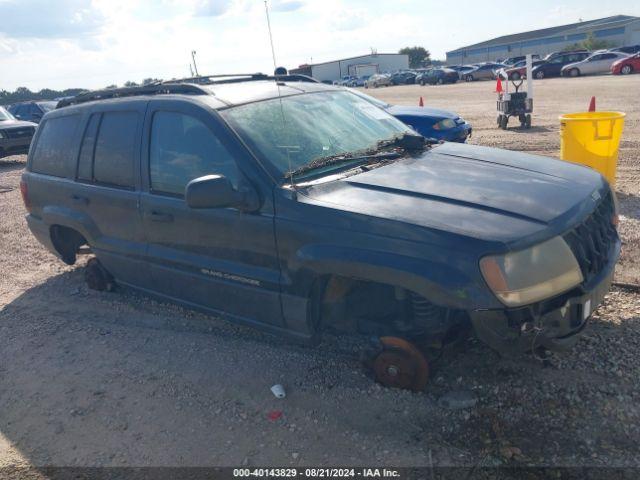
point(527, 276)
point(445, 124)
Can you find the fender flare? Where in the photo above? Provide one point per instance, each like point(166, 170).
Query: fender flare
point(67, 217)
point(439, 283)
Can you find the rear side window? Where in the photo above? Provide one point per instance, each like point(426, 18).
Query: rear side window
point(183, 148)
point(114, 155)
point(55, 153)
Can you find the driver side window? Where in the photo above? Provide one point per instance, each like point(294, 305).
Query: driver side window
point(183, 148)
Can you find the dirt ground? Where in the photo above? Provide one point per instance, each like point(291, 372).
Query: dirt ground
point(113, 379)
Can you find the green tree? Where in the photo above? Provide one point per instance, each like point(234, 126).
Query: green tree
point(590, 43)
point(418, 56)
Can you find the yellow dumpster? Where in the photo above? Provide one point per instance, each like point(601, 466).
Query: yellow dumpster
point(592, 139)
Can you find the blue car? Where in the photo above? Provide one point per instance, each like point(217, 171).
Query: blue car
point(428, 122)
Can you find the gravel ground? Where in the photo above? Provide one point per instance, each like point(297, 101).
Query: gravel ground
point(94, 379)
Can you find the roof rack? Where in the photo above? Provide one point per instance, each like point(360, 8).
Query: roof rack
point(242, 77)
point(155, 88)
point(190, 85)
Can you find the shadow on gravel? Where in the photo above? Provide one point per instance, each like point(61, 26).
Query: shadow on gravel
point(629, 205)
point(10, 165)
point(89, 378)
point(533, 129)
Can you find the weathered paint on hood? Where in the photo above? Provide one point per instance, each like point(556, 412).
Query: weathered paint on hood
point(485, 193)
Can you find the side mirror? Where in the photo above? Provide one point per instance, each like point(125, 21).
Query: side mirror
point(216, 191)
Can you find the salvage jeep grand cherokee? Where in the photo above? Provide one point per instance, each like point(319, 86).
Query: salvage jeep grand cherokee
point(299, 207)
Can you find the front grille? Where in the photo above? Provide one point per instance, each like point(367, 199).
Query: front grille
point(21, 132)
point(592, 240)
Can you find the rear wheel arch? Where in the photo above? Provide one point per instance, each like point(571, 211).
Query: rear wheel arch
point(67, 242)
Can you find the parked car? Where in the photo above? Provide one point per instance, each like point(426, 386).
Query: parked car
point(377, 80)
point(627, 65)
point(595, 64)
point(519, 58)
point(403, 78)
point(429, 122)
point(519, 69)
point(31, 111)
point(15, 135)
point(437, 76)
point(553, 66)
point(358, 81)
point(629, 49)
point(553, 55)
point(481, 72)
point(300, 227)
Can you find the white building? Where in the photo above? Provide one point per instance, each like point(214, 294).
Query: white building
point(362, 65)
point(618, 31)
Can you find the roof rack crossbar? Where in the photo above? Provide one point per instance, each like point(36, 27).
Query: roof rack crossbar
point(155, 88)
point(244, 77)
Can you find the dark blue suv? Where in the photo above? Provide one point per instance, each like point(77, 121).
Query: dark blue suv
point(300, 208)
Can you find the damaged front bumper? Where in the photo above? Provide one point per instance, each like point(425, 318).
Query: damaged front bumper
point(553, 324)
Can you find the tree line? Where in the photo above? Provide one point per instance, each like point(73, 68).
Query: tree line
point(23, 94)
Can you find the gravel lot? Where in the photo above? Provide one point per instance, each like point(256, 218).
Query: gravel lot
point(92, 379)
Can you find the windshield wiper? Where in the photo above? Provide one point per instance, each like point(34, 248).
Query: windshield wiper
point(408, 142)
point(340, 158)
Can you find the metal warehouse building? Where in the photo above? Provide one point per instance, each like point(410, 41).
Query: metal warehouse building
point(618, 30)
point(363, 65)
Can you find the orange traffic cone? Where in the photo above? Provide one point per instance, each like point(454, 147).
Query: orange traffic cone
point(498, 85)
point(592, 104)
point(421, 102)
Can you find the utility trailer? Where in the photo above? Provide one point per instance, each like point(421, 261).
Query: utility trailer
point(518, 103)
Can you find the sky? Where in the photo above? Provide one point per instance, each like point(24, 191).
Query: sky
point(94, 43)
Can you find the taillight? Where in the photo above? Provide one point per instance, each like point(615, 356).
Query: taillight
point(24, 190)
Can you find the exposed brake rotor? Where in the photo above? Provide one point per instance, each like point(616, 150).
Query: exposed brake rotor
point(401, 365)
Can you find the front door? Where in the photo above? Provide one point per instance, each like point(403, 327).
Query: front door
point(221, 259)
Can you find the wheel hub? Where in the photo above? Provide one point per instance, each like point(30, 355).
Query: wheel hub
point(400, 365)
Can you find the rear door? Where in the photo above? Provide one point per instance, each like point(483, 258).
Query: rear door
point(221, 259)
point(106, 191)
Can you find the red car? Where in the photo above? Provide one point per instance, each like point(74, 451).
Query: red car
point(519, 70)
point(625, 66)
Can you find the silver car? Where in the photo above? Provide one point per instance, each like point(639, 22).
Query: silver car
point(377, 80)
point(482, 72)
point(597, 63)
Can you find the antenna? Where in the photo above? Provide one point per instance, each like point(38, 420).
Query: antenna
point(273, 51)
point(191, 70)
point(275, 76)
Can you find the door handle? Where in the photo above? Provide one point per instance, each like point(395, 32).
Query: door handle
point(80, 199)
point(161, 217)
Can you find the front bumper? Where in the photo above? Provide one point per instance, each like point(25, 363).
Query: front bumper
point(459, 133)
point(553, 323)
point(14, 146)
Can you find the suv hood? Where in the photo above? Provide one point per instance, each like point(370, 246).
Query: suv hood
point(16, 124)
point(399, 110)
point(485, 193)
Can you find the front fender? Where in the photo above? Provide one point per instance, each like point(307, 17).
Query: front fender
point(440, 283)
